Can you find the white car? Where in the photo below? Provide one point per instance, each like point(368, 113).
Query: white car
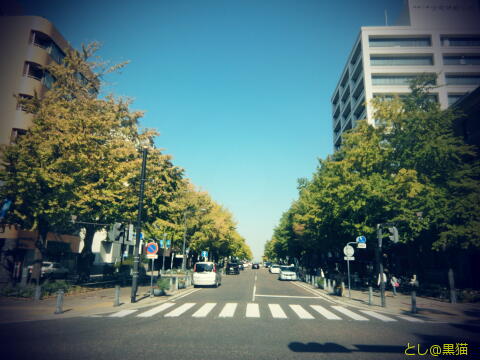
point(274, 269)
point(287, 273)
point(51, 270)
point(206, 274)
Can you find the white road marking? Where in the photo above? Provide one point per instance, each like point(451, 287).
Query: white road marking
point(204, 310)
point(228, 310)
point(349, 313)
point(288, 296)
point(156, 310)
point(328, 314)
point(253, 311)
point(301, 312)
point(254, 287)
point(277, 311)
point(123, 313)
point(319, 295)
point(410, 318)
point(180, 310)
point(183, 295)
point(377, 315)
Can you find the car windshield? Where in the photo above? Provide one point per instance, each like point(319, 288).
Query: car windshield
point(232, 264)
point(203, 267)
point(287, 268)
point(275, 266)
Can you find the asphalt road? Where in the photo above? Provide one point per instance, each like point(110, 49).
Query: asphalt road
point(250, 316)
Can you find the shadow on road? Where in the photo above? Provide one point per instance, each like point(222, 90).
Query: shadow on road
point(337, 348)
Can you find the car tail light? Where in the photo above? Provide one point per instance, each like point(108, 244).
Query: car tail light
point(195, 268)
point(214, 268)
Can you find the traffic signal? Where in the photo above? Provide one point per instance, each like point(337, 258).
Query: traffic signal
point(393, 234)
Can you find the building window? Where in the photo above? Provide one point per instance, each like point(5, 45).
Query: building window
point(389, 97)
point(461, 59)
point(45, 42)
point(468, 40)
point(393, 79)
point(399, 60)
point(35, 71)
point(15, 135)
point(453, 98)
point(397, 41)
point(21, 97)
point(462, 79)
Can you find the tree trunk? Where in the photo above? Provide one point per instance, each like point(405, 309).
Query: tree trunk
point(40, 249)
point(87, 258)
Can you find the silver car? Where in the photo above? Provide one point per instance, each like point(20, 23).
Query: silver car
point(287, 273)
point(206, 274)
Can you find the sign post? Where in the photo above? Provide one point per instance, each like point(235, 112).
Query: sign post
point(349, 251)
point(162, 245)
point(152, 249)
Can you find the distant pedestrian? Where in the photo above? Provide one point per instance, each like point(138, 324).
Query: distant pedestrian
point(394, 282)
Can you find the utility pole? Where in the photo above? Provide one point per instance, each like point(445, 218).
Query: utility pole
point(136, 255)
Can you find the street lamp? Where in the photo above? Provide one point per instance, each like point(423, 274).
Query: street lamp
point(185, 235)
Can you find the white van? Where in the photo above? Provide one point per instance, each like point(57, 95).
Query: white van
point(206, 273)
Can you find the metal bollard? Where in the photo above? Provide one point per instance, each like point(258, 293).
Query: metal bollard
point(313, 280)
point(117, 296)
point(370, 294)
point(414, 301)
point(59, 305)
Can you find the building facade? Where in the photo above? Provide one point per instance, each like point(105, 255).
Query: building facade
point(432, 36)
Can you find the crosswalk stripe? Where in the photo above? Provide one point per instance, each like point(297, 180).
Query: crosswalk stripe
point(301, 312)
point(204, 310)
point(349, 313)
point(123, 313)
point(328, 314)
point(410, 318)
point(277, 311)
point(156, 310)
point(253, 311)
point(180, 310)
point(377, 315)
point(228, 310)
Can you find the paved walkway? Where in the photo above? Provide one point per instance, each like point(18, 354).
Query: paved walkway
point(84, 304)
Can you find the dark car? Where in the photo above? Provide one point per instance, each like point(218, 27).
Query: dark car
point(232, 268)
point(255, 266)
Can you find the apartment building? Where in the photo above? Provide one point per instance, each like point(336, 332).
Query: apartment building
point(29, 44)
point(431, 36)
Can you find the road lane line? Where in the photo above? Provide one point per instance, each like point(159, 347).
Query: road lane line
point(319, 295)
point(156, 310)
point(322, 311)
point(301, 312)
point(123, 313)
point(228, 310)
point(254, 287)
point(253, 311)
point(410, 318)
point(349, 313)
point(277, 312)
point(183, 295)
point(204, 310)
point(377, 315)
point(180, 310)
point(288, 296)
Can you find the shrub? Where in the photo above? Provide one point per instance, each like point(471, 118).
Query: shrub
point(321, 283)
point(50, 288)
point(18, 291)
point(163, 284)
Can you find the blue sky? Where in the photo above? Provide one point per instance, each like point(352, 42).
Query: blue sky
point(238, 89)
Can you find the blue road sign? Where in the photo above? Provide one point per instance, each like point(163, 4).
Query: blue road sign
point(361, 239)
point(205, 254)
point(161, 244)
point(169, 243)
point(152, 248)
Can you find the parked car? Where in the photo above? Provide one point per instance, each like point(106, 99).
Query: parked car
point(241, 267)
point(287, 273)
point(51, 270)
point(205, 273)
point(232, 268)
point(255, 266)
point(274, 269)
point(267, 264)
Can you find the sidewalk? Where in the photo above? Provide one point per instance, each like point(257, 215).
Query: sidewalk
point(428, 309)
point(85, 304)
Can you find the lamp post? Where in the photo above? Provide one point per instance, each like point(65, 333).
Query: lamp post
point(185, 236)
point(136, 256)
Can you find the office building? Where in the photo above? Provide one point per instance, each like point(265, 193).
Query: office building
point(431, 36)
